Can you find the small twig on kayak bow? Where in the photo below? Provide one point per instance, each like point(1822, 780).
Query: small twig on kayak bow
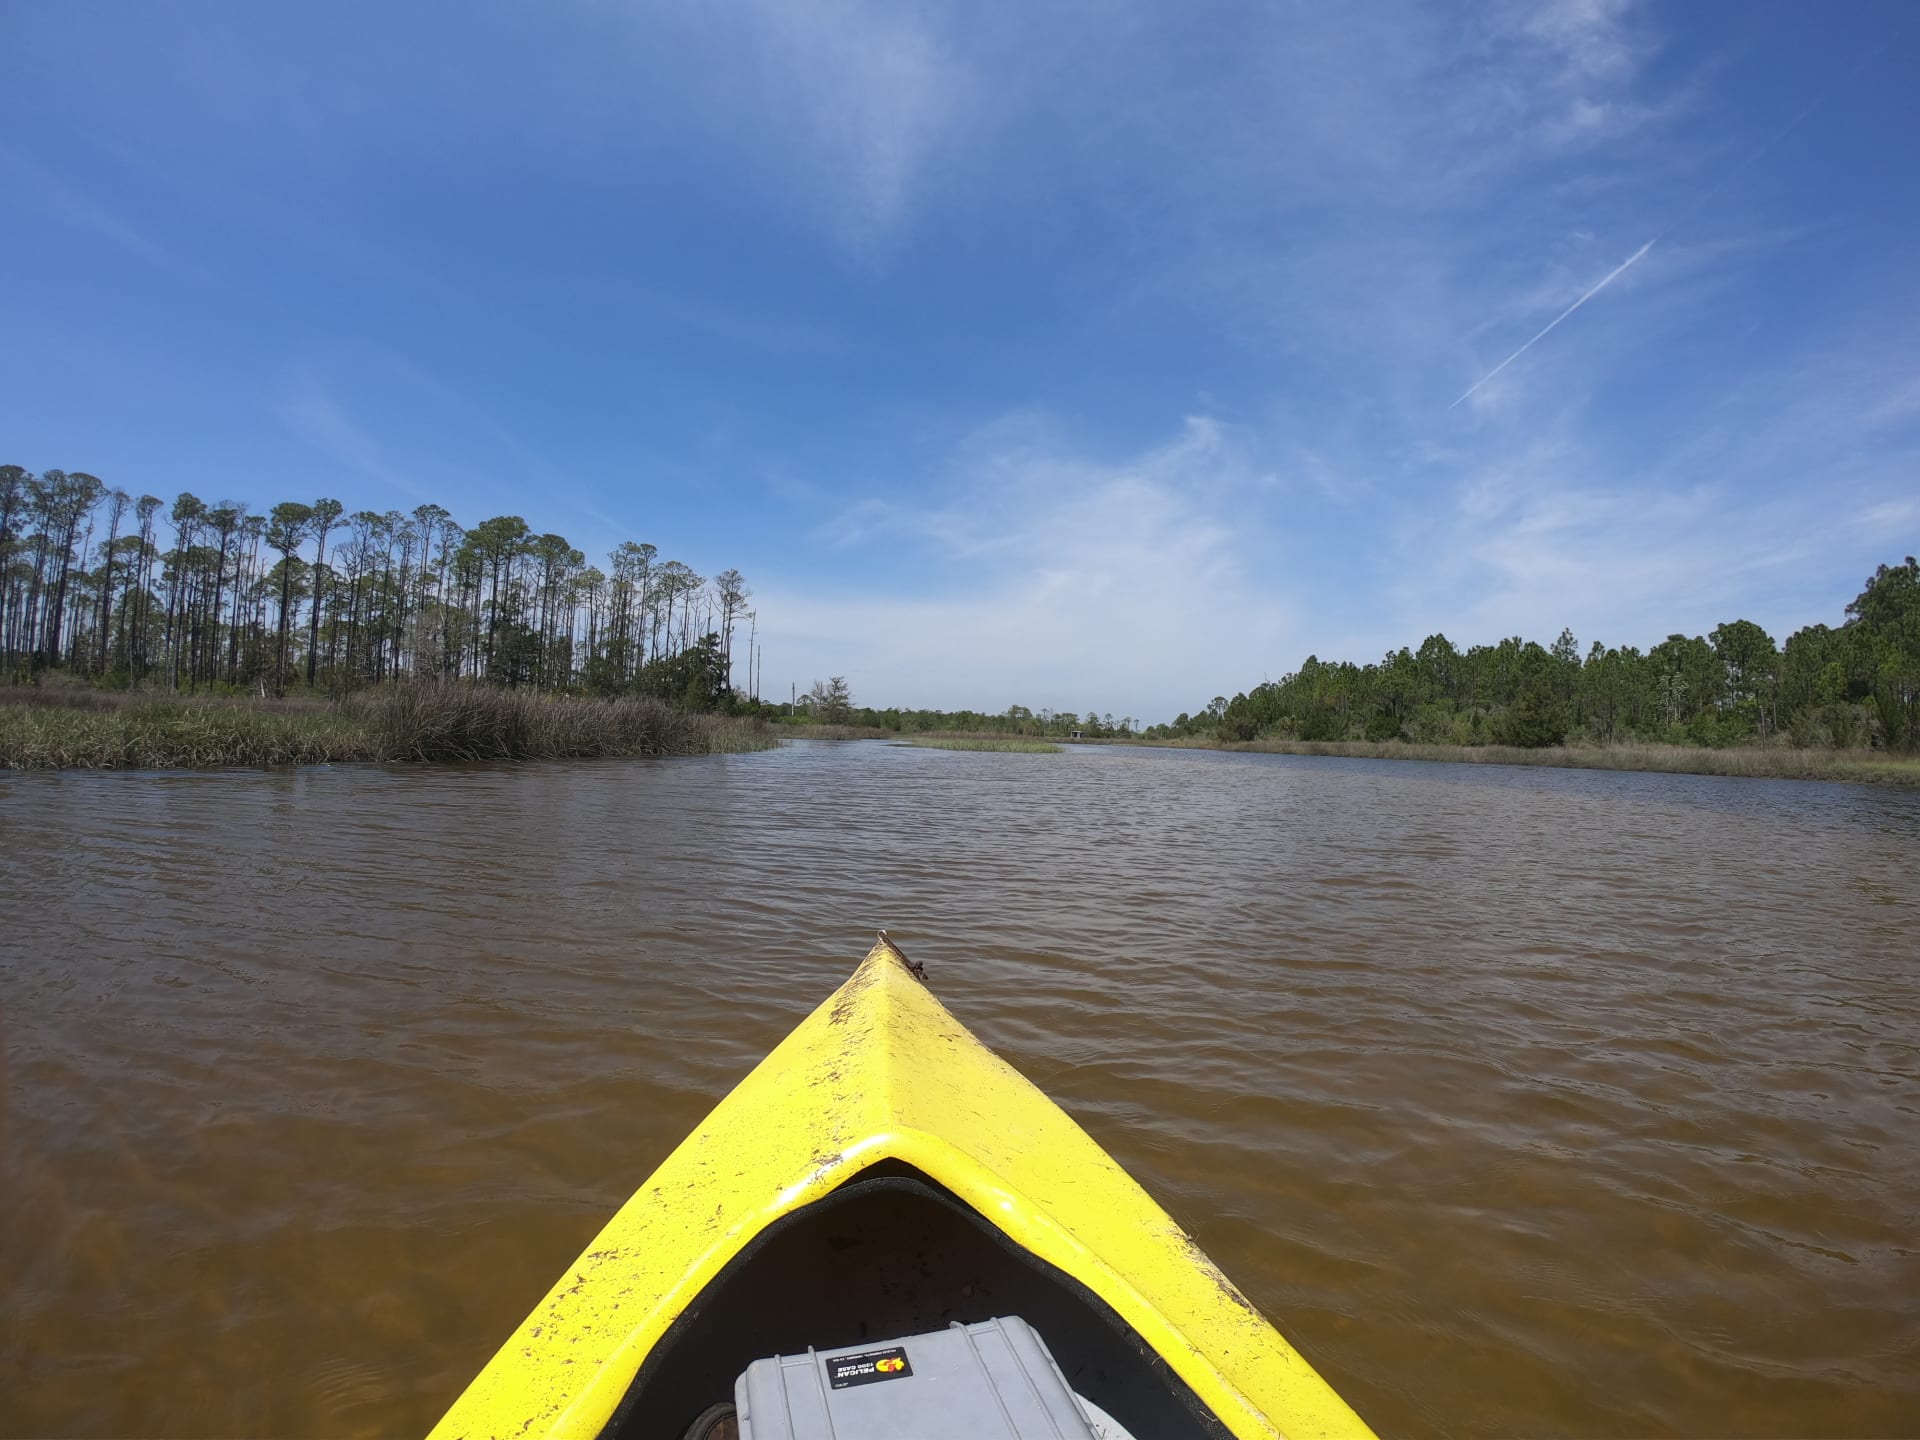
point(914, 967)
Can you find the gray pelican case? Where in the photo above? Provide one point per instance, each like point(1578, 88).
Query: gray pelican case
point(992, 1381)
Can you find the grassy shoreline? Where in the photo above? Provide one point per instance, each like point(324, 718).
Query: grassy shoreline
point(425, 724)
point(1000, 744)
point(80, 728)
point(1750, 762)
point(818, 730)
point(932, 739)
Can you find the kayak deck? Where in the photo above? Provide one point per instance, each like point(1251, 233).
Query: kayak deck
point(875, 1166)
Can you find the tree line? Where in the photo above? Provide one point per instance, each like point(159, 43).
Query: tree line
point(128, 590)
point(830, 702)
point(1857, 684)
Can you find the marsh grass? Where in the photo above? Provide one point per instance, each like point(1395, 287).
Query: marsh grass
point(1007, 745)
point(172, 735)
point(420, 723)
point(1754, 762)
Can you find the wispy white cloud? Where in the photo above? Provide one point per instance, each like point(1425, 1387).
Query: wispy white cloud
point(866, 94)
point(839, 112)
point(32, 185)
point(1592, 42)
point(1899, 404)
point(393, 426)
point(1626, 564)
point(1528, 527)
point(1351, 193)
point(1891, 520)
point(310, 411)
point(1067, 581)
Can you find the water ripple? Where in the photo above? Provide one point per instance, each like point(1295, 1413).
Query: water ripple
point(1528, 1102)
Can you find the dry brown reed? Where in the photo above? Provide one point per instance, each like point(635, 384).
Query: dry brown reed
point(790, 731)
point(1771, 762)
point(1002, 744)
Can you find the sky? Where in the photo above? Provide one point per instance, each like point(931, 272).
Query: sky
point(1099, 355)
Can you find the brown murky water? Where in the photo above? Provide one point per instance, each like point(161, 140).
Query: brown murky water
point(1527, 1102)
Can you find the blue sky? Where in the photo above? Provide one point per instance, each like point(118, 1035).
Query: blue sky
point(1096, 355)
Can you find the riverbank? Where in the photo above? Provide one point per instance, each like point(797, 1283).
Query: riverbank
point(790, 730)
point(1753, 762)
point(932, 739)
point(1001, 744)
point(102, 730)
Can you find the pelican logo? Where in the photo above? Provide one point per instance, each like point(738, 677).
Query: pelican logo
point(867, 1368)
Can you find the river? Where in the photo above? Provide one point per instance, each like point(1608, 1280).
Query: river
point(1526, 1102)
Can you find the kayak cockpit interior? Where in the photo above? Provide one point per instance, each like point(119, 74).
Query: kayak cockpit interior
point(890, 1254)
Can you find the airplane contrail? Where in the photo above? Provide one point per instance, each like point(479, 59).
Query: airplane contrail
point(1610, 277)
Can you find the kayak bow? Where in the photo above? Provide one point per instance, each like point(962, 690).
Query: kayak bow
point(881, 1171)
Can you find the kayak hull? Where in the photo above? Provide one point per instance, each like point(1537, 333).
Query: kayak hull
point(879, 1141)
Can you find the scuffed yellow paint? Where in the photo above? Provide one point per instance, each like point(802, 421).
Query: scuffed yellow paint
point(882, 1071)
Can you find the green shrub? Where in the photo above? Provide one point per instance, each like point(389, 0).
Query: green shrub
point(1322, 722)
point(1533, 722)
point(1382, 726)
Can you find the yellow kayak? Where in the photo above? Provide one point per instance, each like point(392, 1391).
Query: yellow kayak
point(882, 1194)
